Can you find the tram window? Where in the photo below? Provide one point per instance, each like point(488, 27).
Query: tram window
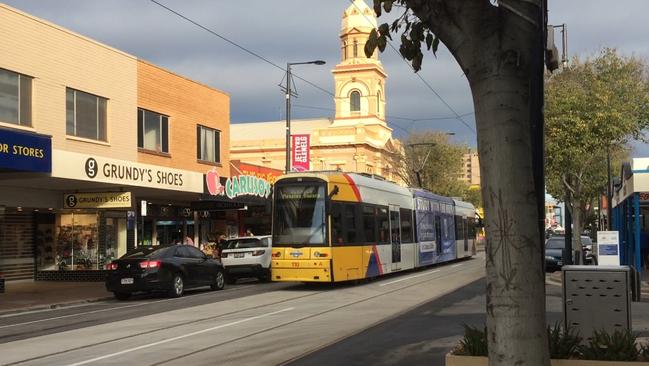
point(369, 223)
point(459, 228)
point(350, 223)
point(406, 226)
point(337, 223)
point(383, 221)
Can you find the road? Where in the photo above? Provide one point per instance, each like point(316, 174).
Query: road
point(261, 324)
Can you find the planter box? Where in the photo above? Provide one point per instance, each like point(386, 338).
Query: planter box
point(453, 360)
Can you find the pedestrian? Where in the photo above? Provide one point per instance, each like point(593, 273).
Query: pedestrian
point(188, 240)
point(644, 249)
point(249, 233)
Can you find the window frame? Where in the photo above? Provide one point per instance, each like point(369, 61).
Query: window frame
point(164, 141)
point(351, 101)
point(217, 145)
point(97, 115)
point(19, 96)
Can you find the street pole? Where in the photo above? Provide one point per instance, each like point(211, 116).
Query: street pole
point(288, 108)
point(288, 118)
point(609, 191)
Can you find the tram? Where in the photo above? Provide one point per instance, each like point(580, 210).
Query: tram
point(335, 226)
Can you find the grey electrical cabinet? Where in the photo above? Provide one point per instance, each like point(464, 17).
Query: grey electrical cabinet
point(596, 298)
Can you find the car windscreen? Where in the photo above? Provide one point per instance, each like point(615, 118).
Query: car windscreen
point(146, 252)
point(555, 243)
point(243, 243)
point(299, 217)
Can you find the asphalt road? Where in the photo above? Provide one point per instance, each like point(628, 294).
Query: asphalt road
point(260, 324)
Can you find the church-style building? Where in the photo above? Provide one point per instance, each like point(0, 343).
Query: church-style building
point(357, 138)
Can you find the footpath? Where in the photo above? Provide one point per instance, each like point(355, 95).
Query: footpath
point(20, 296)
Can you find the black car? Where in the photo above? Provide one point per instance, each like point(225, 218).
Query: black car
point(169, 269)
point(554, 247)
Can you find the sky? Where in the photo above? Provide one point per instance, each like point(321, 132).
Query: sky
point(284, 31)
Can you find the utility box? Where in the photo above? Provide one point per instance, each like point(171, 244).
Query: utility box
point(597, 298)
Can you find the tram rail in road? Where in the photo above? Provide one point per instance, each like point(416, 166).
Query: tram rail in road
point(310, 308)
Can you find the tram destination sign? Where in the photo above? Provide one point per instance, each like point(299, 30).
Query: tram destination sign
point(98, 200)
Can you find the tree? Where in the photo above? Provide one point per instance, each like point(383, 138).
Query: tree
point(472, 195)
point(498, 45)
point(593, 108)
point(437, 160)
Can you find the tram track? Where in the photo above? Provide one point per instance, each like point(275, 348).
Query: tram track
point(401, 287)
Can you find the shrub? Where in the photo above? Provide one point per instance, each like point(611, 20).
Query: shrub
point(644, 351)
point(564, 343)
point(619, 346)
point(474, 342)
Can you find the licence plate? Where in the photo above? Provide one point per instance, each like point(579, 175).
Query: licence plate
point(127, 281)
point(238, 255)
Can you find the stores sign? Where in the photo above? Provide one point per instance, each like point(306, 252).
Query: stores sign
point(25, 151)
point(241, 185)
point(97, 200)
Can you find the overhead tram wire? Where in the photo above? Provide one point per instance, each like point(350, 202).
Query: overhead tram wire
point(254, 54)
point(457, 115)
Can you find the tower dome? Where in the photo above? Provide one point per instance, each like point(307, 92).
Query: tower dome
point(360, 16)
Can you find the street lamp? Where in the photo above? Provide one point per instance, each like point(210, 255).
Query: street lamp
point(288, 107)
point(423, 164)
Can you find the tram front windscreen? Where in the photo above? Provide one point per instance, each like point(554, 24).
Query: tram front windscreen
point(299, 218)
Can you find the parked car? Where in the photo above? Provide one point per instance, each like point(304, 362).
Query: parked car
point(247, 256)
point(170, 269)
point(554, 247)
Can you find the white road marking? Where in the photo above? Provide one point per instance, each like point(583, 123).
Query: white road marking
point(98, 310)
point(177, 338)
point(408, 278)
point(456, 265)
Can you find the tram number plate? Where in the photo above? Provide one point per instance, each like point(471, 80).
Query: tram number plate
point(127, 281)
point(295, 264)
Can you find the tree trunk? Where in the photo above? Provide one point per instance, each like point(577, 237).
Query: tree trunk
point(577, 228)
point(515, 273)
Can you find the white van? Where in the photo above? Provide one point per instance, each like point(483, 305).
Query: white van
point(247, 256)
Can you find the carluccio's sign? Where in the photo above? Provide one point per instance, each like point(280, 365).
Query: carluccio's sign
point(237, 186)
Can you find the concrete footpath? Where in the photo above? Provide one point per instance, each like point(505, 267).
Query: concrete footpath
point(35, 295)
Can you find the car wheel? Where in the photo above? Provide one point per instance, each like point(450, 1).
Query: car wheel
point(177, 286)
point(219, 281)
point(265, 277)
point(122, 295)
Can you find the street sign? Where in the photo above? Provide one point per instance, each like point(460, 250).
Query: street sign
point(608, 248)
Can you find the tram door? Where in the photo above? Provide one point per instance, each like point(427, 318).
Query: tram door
point(395, 237)
point(438, 234)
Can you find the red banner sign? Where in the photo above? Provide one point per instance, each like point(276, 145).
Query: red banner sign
point(301, 152)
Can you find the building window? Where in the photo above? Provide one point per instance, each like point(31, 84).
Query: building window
point(344, 50)
point(209, 144)
point(355, 101)
point(378, 102)
point(355, 48)
point(85, 115)
point(15, 98)
point(152, 131)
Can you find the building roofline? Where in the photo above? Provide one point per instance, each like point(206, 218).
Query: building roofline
point(181, 76)
point(64, 30)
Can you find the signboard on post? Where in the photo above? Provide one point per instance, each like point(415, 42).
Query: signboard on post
point(608, 248)
point(301, 153)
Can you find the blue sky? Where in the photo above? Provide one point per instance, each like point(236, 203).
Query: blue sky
point(301, 30)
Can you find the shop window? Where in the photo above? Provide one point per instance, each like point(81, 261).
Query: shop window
point(209, 144)
point(15, 98)
point(355, 101)
point(152, 131)
point(85, 115)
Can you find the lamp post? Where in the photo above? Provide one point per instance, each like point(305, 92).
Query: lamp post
point(423, 164)
point(288, 108)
